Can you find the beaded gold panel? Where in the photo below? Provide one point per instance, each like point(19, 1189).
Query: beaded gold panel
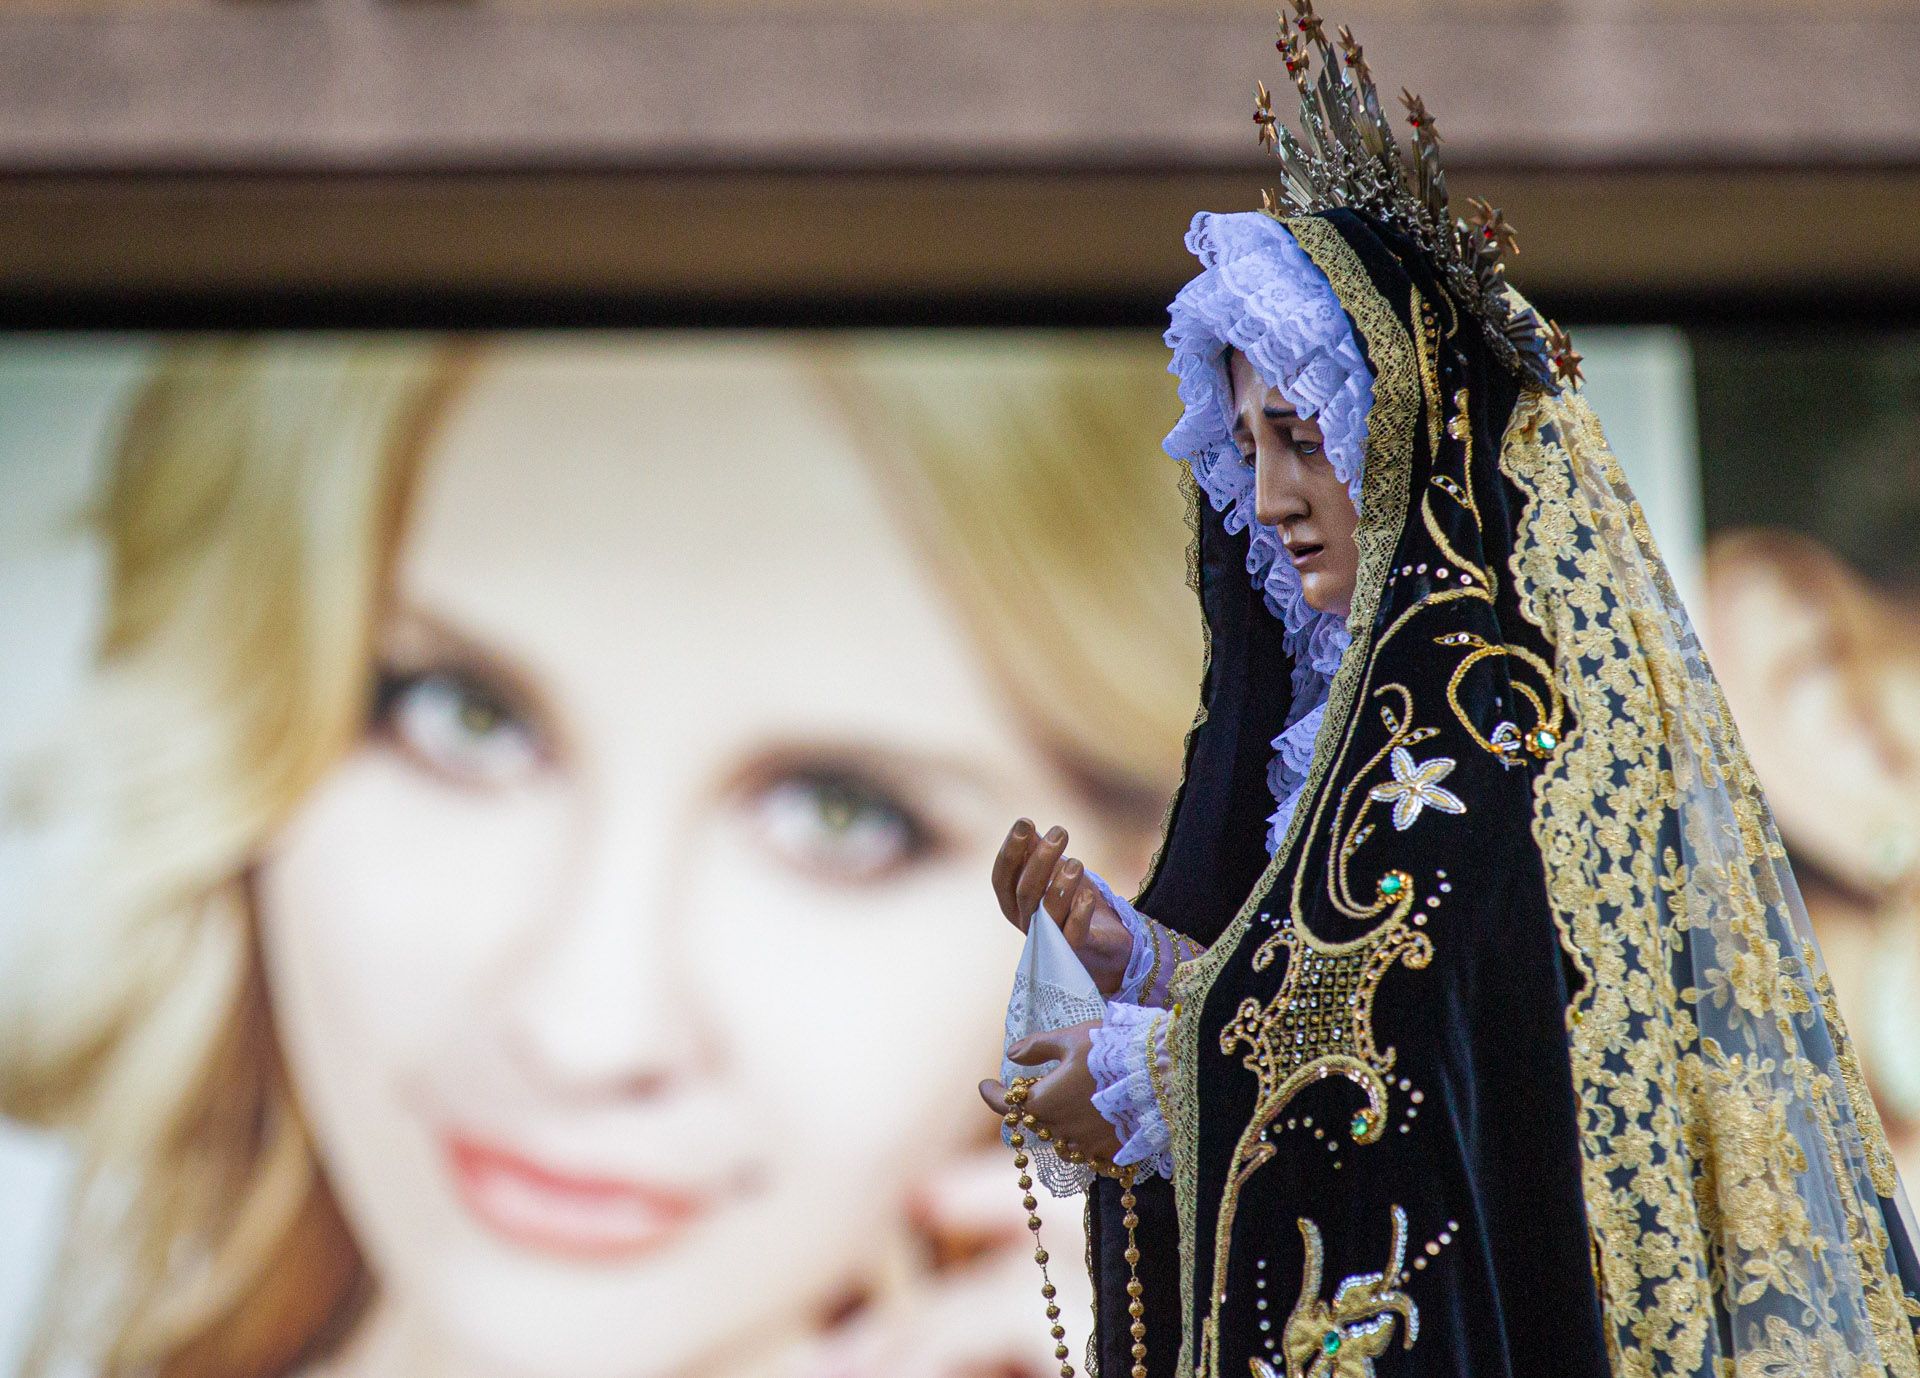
point(1731, 1168)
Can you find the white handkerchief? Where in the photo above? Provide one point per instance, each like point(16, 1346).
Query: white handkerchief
point(1051, 989)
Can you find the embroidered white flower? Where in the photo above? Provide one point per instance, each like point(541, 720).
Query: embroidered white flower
point(1416, 786)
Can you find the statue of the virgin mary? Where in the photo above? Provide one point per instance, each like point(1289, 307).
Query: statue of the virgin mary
point(1468, 1021)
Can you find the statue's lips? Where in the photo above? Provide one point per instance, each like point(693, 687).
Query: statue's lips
point(576, 1215)
point(1304, 556)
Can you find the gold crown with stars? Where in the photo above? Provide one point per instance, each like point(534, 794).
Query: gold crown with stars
point(1345, 155)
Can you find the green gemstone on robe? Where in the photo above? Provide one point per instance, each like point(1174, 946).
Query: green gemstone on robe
point(1545, 740)
point(1330, 1343)
point(1360, 1124)
point(1390, 885)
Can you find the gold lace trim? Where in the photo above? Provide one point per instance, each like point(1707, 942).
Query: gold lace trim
point(1156, 1081)
point(1391, 423)
point(1880, 1164)
point(1723, 1176)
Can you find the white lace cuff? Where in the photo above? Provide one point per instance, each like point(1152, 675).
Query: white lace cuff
point(1157, 950)
point(1128, 1059)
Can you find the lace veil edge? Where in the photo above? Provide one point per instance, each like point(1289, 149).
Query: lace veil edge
point(1740, 1191)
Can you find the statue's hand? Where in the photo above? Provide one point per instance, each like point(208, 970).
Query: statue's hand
point(1030, 870)
point(1062, 1100)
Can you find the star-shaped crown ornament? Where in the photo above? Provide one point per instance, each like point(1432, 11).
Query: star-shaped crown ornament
point(1345, 155)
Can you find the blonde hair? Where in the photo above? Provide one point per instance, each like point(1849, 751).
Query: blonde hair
point(1029, 464)
point(250, 522)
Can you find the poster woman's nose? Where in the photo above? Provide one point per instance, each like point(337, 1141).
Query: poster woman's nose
point(597, 1003)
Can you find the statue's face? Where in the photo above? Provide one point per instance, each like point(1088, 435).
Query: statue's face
point(1295, 489)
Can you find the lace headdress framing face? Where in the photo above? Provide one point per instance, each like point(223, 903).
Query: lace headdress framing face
point(1258, 293)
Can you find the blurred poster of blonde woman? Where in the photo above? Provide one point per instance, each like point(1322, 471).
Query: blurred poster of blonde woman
point(1822, 669)
point(528, 797)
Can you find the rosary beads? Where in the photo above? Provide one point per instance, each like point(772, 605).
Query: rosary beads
point(1018, 1120)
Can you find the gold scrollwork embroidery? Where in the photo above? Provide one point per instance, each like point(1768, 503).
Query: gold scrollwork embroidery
point(1461, 494)
point(1393, 890)
point(1341, 1338)
point(1426, 350)
point(1506, 741)
point(1319, 1023)
point(1459, 427)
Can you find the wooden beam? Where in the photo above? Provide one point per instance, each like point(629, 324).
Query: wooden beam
point(355, 86)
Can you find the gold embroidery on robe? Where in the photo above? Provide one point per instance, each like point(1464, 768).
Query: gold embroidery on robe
point(1342, 1338)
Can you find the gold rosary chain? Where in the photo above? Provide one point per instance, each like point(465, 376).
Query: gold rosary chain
point(1019, 1120)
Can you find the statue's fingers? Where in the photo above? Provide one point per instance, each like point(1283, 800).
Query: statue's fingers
point(995, 1095)
point(1079, 921)
point(1037, 872)
point(1045, 1046)
point(1006, 871)
point(1061, 890)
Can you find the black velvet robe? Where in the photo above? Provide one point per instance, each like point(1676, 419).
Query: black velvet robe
point(1476, 1142)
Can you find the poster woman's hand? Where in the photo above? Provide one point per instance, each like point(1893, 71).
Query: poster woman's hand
point(1062, 1100)
point(1031, 870)
point(971, 1310)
